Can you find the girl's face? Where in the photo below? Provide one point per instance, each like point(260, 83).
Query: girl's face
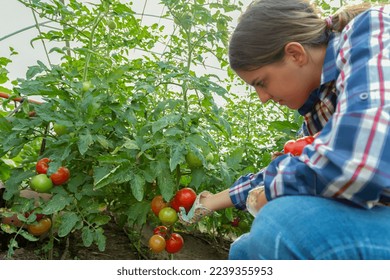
point(288, 82)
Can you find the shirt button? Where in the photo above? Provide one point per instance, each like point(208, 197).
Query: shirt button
point(363, 96)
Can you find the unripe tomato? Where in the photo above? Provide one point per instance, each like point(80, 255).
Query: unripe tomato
point(157, 204)
point(40, 227)
point(60, 129)
point(168, 216)
point(157, 243)
point(174, 243)
point(86, 85)
point(184, 198)
point(111, 24)
point(192, 160)
point(61, 176)
point(42, 166)
point(41, 183)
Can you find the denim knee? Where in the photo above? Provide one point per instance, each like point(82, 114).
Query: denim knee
point(307, 227)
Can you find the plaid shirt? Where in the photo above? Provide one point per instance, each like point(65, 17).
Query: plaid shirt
point(350, 159)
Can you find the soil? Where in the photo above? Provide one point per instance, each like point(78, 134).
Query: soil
point(197, 246)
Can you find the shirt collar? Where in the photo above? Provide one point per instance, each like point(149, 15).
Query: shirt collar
point(329, 73)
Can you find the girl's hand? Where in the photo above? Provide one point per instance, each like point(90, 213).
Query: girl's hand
point(197, 211)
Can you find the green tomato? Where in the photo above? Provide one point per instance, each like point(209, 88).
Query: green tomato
point(192, 160)
point(111, 24)
point(167, 216)
point(41, 183)
point(210, 157)
point(86, 85)
point(60, 129)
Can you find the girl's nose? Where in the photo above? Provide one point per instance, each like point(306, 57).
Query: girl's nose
point(263, 96)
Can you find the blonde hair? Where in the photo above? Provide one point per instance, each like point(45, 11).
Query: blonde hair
point(268, 25)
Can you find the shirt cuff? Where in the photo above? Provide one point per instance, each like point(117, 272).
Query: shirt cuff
point(239, 190)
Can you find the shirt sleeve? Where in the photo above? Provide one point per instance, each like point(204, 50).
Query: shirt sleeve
point(351, 157)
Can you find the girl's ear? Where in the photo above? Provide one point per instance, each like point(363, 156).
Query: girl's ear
point(296, 53)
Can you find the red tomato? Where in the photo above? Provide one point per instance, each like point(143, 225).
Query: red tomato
point(157, 243)
point(42, 166)
point(157, 204)
point(295, 147)
point(61, 176)
point(174, 243)
point(161, 230)
point(38, 216)
point(184, 198)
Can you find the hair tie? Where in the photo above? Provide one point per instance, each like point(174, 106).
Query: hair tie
point(329, 21)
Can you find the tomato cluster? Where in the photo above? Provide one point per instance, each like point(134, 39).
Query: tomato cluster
point(42, 183)
point(162, 239)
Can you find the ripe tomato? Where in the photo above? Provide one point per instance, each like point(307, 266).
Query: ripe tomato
point(184, 198)
point(61, 176)
point(192, 160)
point(157, 243)
point(295, 147)
point(41, 183)
point(38, 216)
point(157, 204)
point(40, 227)
point(168, 216)
point(42, 166)
point(161, 230)
point(235, 222)
point(174, 243)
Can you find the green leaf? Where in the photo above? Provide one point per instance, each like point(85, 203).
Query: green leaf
point(138, 212)
point(177, 156)
point(100, 239)
point(57, 203)
point(68, 222)
point(85, 141)
point(28, 236)
point(87, 236)
point(137, 186)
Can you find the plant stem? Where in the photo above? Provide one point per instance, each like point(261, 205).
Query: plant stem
point(40, 33)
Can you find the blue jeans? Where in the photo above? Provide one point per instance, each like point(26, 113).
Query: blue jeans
point(309, 227)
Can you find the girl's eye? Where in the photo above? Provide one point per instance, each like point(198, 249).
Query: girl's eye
point(260, 84)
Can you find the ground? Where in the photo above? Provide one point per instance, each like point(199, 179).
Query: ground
point(197, 246)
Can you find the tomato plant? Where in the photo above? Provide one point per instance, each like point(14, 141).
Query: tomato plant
point(157, 243)
point(41, 183)
point(185, 197)
point(168, 216)
point(61, 176)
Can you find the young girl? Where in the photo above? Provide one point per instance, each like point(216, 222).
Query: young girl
point(328, 203)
